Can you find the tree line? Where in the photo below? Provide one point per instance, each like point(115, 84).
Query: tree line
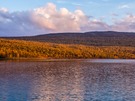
point(30, 49)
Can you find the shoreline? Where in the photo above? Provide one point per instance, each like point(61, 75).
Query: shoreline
point(61, 59)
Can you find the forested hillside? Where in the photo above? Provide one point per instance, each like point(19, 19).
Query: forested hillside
point(29, 49)
point(89, 38)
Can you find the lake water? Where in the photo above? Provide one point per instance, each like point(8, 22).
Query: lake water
point(68, 80)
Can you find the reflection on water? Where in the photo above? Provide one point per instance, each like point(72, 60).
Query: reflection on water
point(86, 80)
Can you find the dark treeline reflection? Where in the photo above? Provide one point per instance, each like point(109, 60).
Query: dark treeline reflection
point(67, 81)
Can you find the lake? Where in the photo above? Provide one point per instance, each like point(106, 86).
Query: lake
point(68, 80)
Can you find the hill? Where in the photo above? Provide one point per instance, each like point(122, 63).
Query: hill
point(107, 38)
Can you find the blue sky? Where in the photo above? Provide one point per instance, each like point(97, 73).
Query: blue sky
point(16, 5)
point(87, 5)
point(105, 11)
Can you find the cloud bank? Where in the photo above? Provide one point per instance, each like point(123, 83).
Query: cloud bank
point(49, 19)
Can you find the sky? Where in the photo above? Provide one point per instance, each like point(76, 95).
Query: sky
point(33, 17)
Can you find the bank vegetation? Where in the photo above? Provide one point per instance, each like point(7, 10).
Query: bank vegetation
point(10, 49)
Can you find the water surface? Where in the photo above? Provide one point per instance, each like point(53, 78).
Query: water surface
point(74, 80)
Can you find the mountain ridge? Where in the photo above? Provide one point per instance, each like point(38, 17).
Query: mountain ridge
point(95, 38)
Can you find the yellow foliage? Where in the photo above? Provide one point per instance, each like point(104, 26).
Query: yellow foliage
point(31, 49)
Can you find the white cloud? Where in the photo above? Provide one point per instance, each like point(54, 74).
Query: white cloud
point(41, 20)
point(126, 24)
point(96, 25)
point(123, 6)
point(17, 23)
point(3, 10)
point(62, 20)
point(48, 19)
